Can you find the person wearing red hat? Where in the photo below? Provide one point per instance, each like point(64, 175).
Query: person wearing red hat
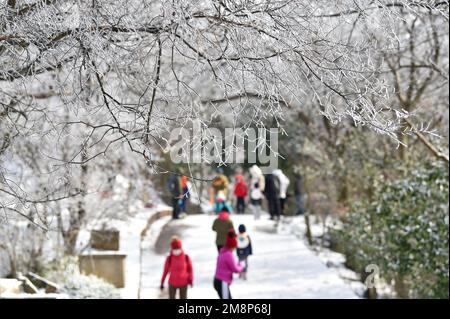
point(179, 266)
point(226, 266)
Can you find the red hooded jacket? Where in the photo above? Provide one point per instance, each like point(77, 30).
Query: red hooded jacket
point(241, 189)
point(180, 270)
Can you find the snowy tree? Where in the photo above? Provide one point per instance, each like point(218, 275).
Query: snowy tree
point(84, 84)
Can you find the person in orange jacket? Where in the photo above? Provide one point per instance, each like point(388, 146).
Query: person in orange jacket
point(185, 190)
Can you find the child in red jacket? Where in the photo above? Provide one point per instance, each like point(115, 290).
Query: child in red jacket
point(179, 266)
point(240, 191)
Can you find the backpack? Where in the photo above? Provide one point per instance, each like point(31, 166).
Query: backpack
point(184, 181)
point(277, 184)
point(243, 242)
point(174, 186)
point(241, 189)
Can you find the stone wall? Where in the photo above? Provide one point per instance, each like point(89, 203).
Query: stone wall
point(109, 266)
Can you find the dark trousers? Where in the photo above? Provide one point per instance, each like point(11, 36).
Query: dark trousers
point(173, 292)
point(222, 288)
point(240, 206)
point(274, 207)
point(175, 208)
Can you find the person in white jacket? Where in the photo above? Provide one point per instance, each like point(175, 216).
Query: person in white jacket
point(257, 184)
point(284, 184)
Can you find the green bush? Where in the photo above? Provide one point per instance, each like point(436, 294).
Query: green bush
point(404, 230)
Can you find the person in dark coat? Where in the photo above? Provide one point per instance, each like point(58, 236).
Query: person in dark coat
point(176, 194)
point(271, 192)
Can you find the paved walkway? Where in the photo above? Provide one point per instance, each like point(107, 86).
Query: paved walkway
point(282, 265)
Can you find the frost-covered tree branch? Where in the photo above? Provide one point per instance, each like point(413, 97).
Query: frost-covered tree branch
point(91, 77)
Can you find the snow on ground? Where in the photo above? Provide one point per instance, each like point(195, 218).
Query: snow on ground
point(130, 243)
point(330, 258)
point(282, 265)
point(130, 227)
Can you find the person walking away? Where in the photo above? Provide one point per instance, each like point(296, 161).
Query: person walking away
point(176, 193)
point(219, 186)
point(257, 184)
point(240, 191)
point(284, 184)
point(226, 266)
point(244, 249)
point(221, 203)
point(185, 192)
point(178, 266)
point(222, 225)
point(271, 192)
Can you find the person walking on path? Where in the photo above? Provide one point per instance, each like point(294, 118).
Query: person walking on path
point(221, 203)
point(176, 193)
point(271, 192)
point(240, 191)
point(222, 225)
point(244, 249)
point(226, 266)
point(184, 181)
point(284, 184)
point(178, 266)
point(219, 190)
point(257, 184)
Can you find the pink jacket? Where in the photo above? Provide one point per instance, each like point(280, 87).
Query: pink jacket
point(226, 266)
point(180, 270)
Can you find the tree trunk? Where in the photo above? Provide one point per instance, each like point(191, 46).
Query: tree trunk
point(13, 265)
point(308, 229)
point(78, 213)
point(202, 185)
point(372, 293)
point(401, 288)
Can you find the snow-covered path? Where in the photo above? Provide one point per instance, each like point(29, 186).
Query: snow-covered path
point(282, 265)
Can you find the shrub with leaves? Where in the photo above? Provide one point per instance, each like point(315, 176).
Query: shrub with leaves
point(404, 230)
